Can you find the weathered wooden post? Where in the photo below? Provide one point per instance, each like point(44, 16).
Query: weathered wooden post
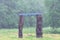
point(21, 22)
point(39, 26)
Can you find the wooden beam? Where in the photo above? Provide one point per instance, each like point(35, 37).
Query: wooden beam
point(21, 22)
point(30, 14)
point(39, 26)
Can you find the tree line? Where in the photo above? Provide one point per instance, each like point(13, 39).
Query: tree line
point(10, 9)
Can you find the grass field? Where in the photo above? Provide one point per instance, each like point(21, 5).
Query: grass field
point(29, 34)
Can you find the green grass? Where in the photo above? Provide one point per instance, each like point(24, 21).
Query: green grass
point(29, 34)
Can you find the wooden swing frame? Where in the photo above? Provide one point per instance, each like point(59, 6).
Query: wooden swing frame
point(38, 24)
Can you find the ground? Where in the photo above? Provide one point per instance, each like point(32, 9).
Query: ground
point(12, 34)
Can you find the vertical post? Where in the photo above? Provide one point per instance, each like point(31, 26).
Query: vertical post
point(21, 22)
point(39, 26)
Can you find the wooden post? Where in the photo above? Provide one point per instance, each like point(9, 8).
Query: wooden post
point(39, 26)
point(21, 22)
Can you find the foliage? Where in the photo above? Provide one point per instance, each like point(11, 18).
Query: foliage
point(10, 9)
point(53, 8)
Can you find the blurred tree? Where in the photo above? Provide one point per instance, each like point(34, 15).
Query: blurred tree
point(9, 10)
point(53, 7)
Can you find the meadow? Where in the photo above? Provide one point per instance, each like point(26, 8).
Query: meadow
point(28, 34)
